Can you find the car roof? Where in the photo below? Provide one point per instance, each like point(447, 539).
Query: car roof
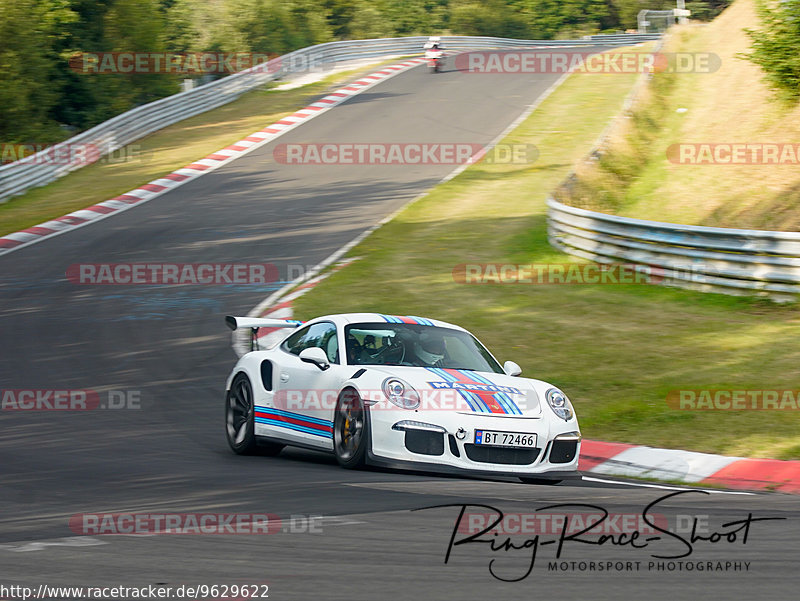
point(351, 318)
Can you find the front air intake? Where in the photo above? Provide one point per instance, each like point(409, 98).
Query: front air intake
point(425, 442)
point(484, 454)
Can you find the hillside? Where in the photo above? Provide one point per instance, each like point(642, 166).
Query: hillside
point(732, 105)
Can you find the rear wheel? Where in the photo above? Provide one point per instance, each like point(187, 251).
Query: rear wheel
point(542, 481)
point(240, 420)
point(350, 430)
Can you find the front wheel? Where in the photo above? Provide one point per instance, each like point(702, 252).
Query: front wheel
point(350, 430)
point(542, 481)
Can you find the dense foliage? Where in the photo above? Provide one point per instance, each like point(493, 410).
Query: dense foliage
point(43, 100)
point(776, 45)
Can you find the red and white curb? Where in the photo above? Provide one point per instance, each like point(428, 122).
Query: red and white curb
point(618, 459)
point(157, 187)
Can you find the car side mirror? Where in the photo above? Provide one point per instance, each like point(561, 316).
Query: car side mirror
point(316, 356)
point(511, 368)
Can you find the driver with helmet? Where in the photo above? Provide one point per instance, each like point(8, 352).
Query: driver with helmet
point(429, 348)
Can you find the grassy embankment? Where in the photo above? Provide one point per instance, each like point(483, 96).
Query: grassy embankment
point(634, 178)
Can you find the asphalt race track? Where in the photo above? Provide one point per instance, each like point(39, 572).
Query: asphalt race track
point(168, 347)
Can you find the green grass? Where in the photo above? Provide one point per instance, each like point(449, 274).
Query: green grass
point(616, 350)
point(163, 151)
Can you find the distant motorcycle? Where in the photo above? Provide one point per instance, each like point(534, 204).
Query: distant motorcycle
point(434, 54)
point(435, 60)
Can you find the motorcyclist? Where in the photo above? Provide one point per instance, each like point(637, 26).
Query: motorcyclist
point(434, 49)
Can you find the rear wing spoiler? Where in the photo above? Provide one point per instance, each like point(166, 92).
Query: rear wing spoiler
point(254, 323)
point(235, 323)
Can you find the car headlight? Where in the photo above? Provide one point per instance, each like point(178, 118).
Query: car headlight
point(400, 393)
point(559, 403)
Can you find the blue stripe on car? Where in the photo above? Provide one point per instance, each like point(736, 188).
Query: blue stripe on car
point(305, 418)
point(280, 424)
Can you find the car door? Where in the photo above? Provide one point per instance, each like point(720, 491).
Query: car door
point(306, 394)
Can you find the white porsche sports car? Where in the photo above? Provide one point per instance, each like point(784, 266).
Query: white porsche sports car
point(400, 392)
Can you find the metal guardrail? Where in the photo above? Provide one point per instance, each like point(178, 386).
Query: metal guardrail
point(709, 259)
point(107, 137)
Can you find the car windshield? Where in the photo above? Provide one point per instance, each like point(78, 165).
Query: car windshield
point(417, 346)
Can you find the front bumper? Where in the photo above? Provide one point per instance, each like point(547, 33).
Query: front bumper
point(416, 465)
point(445, 442)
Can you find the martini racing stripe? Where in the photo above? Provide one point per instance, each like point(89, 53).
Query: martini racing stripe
point(420, 321)
point(475, 403)
point(488, 398)
point(503, 398)
point(476, 398)
point(507, 401)
point(391, 318)
point(294, 421)
point(496, 401)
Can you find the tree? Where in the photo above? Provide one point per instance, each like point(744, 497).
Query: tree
point(42, 99)
point(494, 18)
point(29, 83)
point(776, 46)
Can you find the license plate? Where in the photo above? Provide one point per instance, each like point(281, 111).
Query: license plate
point(505, 439)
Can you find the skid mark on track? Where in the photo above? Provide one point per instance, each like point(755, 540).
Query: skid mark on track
point(72, 541)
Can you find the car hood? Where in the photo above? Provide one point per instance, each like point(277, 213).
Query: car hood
point(467, 391)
